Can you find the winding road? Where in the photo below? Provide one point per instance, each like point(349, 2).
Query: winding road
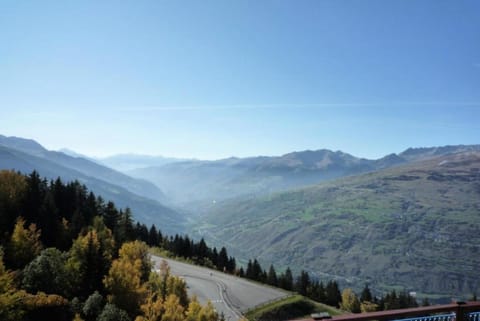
point(230, 295)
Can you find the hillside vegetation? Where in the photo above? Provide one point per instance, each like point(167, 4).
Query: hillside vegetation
point(293, 307)
point(411, 227)
point(143, 197)
point(66, 255)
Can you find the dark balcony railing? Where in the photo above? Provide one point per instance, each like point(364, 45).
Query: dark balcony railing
point(438, 317)
point(460, 311)
point(474, 316)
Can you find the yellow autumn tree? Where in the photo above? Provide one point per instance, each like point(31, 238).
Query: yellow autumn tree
point(178, 287)
point(152, 309)
point(367, 306)
point(105, 237)
point(208, 313)
point(24, 244)
point(350, 301)
point(11, 306)
point(194, 309)
point(167, 300)
point(173, 309)
point(77, 317)
point(197, 312)
point(137, 251)
point(125, 279)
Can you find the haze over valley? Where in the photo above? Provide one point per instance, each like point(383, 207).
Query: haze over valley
point(398, 221)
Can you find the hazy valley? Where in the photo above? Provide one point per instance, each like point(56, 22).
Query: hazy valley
point(144, 198)
point(405, 221)
point(411, 227)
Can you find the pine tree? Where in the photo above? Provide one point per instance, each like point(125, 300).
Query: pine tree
point(333, 295)
point(34, 194)
point(366, 295)
point(49, 222)
point(153, 236)
point(231, 265)
point(141, 232)
point(88, 261)
point(256, 270)
point(222, 260)
point(249, 273)
point(286, 280)
point(272, 276)
point(317, 292)
point(241, 272)
point(110, 216)
point(303, 283)
point(125, 230)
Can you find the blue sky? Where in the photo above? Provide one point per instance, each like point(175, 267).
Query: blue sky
point(212, 79)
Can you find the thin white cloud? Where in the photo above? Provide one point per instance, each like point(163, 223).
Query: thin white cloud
point(286, 106)
point(239, 106)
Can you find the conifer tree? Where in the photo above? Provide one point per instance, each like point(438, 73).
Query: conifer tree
point(286, 280)
point(222, 260)
point(87, 263)
point(110, 216)
point(153, 236)
point(333, 295)
point(303, 283)
point(125, 229)
point(366, 295)
point(272, 276)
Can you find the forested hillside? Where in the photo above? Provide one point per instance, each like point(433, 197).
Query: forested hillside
point(66, 254)
point(413, 227)
point(143, 197)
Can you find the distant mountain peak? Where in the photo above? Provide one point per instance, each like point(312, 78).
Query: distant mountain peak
point(22, 144)
point(424, 152)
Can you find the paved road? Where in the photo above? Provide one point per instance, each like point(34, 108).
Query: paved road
point(230, 295)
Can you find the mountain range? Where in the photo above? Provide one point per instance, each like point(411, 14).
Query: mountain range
point(404, 221)
point(143, 197)
point(197, 185)
point(413, 226)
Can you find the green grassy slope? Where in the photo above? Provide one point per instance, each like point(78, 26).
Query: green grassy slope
point(289, 308)
point(415, 227)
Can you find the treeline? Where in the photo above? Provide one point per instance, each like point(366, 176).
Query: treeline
point(328, 293)
point(64, 246)
point(65, 254)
